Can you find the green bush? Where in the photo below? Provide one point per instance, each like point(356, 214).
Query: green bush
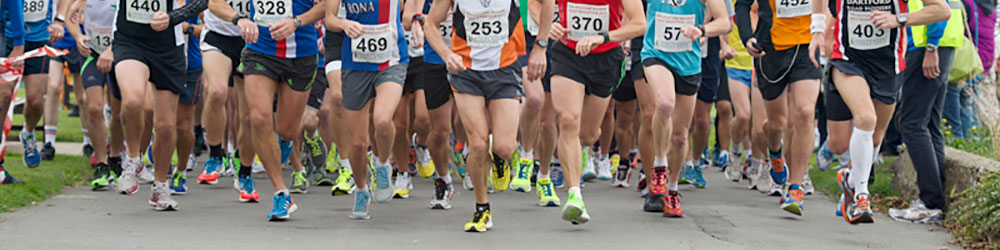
point(976, 214)
point(977, 141)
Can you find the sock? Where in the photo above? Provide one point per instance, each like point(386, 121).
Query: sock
point(747, 152)
point(543, 176)
point(724, 152)
point(282, 192)
point(25, 132)
point(660, 162)
point(575, 191)
point(775, 154)
point(86, 136)
point(50, 134)
point(245, 170)
point(482, 207)
point(597, 151)
point(672, 186)
point(157, 184)
point(446, 179)
point(604, 157)
point(216, 151)
point(861, 153)
point(633, 151)
point(530, 155)
point(198, 130)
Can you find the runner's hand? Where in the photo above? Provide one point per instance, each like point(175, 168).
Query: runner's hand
point(353, 29)
point(283, 29)
point(586, 44)
point(417, 37)
point(557, 31)
point(727, 52)
point(931, 69)
point(81, 45)
point(55, 32)
point(884, 20)
point(105, 61)
point(692, 32)
point(249, 29)
point(160, 21)
point(536, 64)
point(753, 49)
point(817, 44)
point(16, 52)
point(321, 46)
point(454, 63)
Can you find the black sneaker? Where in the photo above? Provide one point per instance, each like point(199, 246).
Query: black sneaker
point(88, 150)
point(75, 112)
point(653, 204)
point(48, 152)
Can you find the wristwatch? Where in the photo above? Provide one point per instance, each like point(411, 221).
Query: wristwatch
point(931, 47)
point(298, 22)
point(607, 38)
point(901, 18)
point(542, 43)
point(418, 18)
point(61, 18)
point(236, 20)
point(701, 27)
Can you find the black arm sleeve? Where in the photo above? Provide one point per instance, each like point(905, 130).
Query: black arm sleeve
point(191, 9)
point(743, 19)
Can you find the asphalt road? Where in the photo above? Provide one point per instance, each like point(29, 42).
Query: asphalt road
point(724, 216)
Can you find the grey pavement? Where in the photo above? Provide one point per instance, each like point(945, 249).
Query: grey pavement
point(724, 216)
point(63, 148)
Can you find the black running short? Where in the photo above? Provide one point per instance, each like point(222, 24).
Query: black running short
point(230, 46)
point(599, 73)
point(318, 91)
point(73, 60)
point(684, 85)
point(885, 88)
point(167, 66)
point(437, 90)
point(299, 72)
point(778, 68)
point(414, 75)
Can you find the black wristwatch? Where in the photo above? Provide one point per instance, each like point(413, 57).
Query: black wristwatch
point(189, 30)
point(701, 27)
point(542, 43)
point(236, 19)
point(901, 18)
point(418, 18)
point(607, 38)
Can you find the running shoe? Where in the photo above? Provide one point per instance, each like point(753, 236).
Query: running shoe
point(403, 185)
point(332, 159)
point(653, 203)
point(300, 185)
point(824, 158)
point(178, 183)
point(31, 157)
point(847, 193)
point(622, 175)
point(589, 172)
point(722, 159)
point(146, 176)
point(732, 171)
point(315, 148)
point(500, 173)
point(192, 161)
point(467, 183)
point(481, 221)
point(615, 162)
point(443, 193)
point(672, 205)
point(546, 192)
point(839, 203)
point(93, 160)
point(779, 177)
point(522, 180)
point(229, 164)
point(688, 175)
point(256, 166)
point(6, 178)
point(807, 184)
point(362, 199)
point(793, 200)
point(764, 182)
point(658, 182)
point(604, 169)
point(344, 183)
point(319, 177)
point(860, 210)
point(48, 152)
point(458, 161)
point(286, 150)
point(88, 149)
point(283, 208)
point(211, 174)
point(425, 165)
point(642, 181)
point(246, 188)
point(102, 177)
point(161, 200)
point(753, 174)
point(149, 151)
point(575, 211)
point(917, 213)
point(557, 174)
point(383, 183)
point(128, 182)
point(699, 179)
point(199, 143)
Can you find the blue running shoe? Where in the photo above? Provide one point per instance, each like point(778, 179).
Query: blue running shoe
point(383, 184)
point(557, 176)
point(361, 201)
point(793, 200)
point(722, 160)
point(178, 183)
point(824, 158)
point(688, 176)
point(779, 178)
point(840, 202)
point(699, 180)
point(211, 174)
point(31, 156)
point(247, 192)
point(149, 152)
point(283, 208)
point(286, 149)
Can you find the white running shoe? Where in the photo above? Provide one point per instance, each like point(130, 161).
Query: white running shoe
point(161, 200)
point(764, 177)
point(732, 171)
point(383, 183)
point(128, 182)
point(807, 184)
point(146, 176)
point(467, 183)
point(753, 174)
point(403, 185)
point(604, 169)
point(256, 167)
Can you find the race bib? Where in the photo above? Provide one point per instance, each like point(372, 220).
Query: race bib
point(668, 32)
point(414, 52)
point(101, 37)
point(141, 11)
point(376, 45)
point(585, 20)
point(862, 33)
point(267, 12)
point(488, 28)
point(240, 6)
point(793, 8)
point(447, 27)
point(35, 10)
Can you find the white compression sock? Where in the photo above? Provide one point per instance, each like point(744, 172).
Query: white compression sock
point(861, 154)
point(446, 179)
point(50, 134)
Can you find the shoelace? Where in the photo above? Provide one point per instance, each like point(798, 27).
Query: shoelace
point(546, 189)
point(523, 173)
point(478, 216)
point(674, 200)
point(282, 203)
point(247, 184)
point(361, 202)
point(622, 173)
point(31, 146)
point(299, 179)
point(382, 177)
point(660, 179)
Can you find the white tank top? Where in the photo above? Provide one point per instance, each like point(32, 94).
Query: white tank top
point(99, 23)
point(217, 25)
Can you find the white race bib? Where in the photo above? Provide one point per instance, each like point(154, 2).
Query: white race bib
point(447, 26)
point(863, 34)
point(585, 20)
point(668, 32)
point(242, 7)
point(141, 11)
point(376, 45)
point(793, 8)
point(35, 10)
point(414, 52)
point(100, 37)
point(488, 28)
point(267, 12)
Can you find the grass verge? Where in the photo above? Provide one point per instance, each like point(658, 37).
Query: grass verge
point(883, 197)
point(42, 182)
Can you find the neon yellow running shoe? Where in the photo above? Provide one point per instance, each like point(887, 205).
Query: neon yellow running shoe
point(574, 211)
point(522, 180)
point(481, 221)
point(546, 193)
point(500, 173)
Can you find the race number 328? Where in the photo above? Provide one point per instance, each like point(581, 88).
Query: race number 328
point(267, 12)
point(141, 11)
